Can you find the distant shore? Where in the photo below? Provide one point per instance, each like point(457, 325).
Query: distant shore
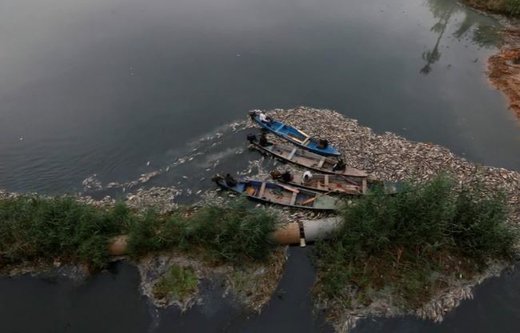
point(504, 7)
point(504, 67)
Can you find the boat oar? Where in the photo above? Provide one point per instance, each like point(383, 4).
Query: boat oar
point(308, 201)
point(288, 188)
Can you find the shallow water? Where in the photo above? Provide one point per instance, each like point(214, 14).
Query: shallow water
point(111, 302)
point(104, 86)
point(108, 302)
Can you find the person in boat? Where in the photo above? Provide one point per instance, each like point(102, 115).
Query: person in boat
point(307, 176)
point(323, 143)
point(339, 166)
point(286, 176)
point(230, 181)
point(263, 141)
point(263, 118)
point(251, 138)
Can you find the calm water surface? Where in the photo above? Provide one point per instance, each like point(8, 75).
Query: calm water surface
point(104, 86)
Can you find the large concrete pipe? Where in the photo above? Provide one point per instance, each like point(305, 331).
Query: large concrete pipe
point(289, 234)
point(118, 246)
point(320, 229)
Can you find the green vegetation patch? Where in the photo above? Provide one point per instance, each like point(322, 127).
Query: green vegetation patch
point(177, 283)
point(513, 7)
point(34, 228)
point(410, 245)
point(232, 233)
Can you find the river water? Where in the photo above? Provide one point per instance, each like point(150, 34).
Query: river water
point(118, 88)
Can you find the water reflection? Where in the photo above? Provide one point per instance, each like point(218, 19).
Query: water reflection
point(483, 34)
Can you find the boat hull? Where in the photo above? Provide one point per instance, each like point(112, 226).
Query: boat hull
point(333, 184)
point(307, 160)
point(296, 137)
point(283, 195)
point(344, 185)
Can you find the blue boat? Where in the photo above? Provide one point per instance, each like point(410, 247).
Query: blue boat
point(294, 135)
point(279, 194)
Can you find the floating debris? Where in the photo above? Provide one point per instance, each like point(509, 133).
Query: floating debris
point(390, 157)
point(145, 177)
point(160, 198)
point(113, 185)
point(91, 183)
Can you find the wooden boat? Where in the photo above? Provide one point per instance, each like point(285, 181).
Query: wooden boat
point(340, 184)
point(280, 194)
point(307, 159)
point(296, 136)
point(335, 184)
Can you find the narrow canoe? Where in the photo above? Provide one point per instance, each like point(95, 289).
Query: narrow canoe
point(307, 159)
point(272, 193)
point(340, 184)
point(296, 136)
point(334, 184)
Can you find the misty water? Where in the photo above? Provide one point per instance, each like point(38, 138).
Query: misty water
point(119, 88)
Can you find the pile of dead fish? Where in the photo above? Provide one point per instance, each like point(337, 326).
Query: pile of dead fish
point(160, 198)
point(384, 156)
point(391, 157)
point(7, 195)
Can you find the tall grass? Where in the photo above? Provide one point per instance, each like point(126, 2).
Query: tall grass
point(410, 243)
point(231, 233)
point(35, 228)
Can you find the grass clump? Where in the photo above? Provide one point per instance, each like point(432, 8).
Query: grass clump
point(178, 283)
point(412, 243)
point(233, 233)
point(33, 228)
